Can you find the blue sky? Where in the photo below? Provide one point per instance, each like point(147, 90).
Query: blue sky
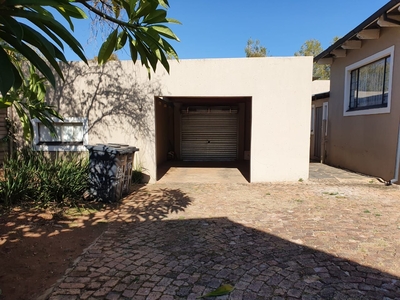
point(221, 28)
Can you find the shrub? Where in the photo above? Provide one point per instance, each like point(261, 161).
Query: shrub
point(32, 176)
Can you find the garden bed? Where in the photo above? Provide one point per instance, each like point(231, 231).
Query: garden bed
point(37, 246)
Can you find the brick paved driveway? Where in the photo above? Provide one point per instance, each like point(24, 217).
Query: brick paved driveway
point(318, 239)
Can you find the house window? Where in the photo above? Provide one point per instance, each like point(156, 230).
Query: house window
point(368, 85)
point(71, 135)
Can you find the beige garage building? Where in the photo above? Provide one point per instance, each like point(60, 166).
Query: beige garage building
point(247, 110)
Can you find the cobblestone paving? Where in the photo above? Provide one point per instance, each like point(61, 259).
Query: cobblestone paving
point(318, 239)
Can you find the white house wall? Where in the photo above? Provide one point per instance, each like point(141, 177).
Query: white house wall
point(118, 101)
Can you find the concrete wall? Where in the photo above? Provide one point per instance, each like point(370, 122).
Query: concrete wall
point(118, 100)
point(367, 143)
point(320, 86)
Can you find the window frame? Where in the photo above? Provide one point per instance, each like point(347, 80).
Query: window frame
point(389, 52)
point(54, 146)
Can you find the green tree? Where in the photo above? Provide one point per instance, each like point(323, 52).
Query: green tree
point(137, 24)
point(29, 98)
point(255, 49)
point(313, 48)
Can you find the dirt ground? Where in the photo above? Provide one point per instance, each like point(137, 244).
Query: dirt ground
point(37, 246)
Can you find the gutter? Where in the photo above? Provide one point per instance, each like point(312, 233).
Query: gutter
point(374, 17)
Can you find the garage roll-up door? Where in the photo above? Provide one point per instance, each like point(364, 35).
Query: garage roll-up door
point(209, 136)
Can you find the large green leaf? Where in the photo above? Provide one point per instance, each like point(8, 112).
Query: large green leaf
point(121, 40)
point(36, 2)
point(146, 53)
point(222, 290)
point(174, 21)
point(7, 73)
point(133, 50)
point(40, 10)
point(116, 6)
point(164, 3)
point(54, 26)
point(67, 18)
point(31, 55)
point(145, 8)
point(165, 45)
point(151, 43)
point(108, 47)
point(127, 7)
point(142, 53)
point(13, 25)
point(72, 11)
point(165, 31)
point(36, 39)
point(132, 5)
point(60, 31)
point(50, 51)
point(155, 49)
point(51, 35)
point(157, 16)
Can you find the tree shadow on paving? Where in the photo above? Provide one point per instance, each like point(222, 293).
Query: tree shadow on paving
point(37, 247)
point(186, 258)
point(142, 205)
point(145, 253)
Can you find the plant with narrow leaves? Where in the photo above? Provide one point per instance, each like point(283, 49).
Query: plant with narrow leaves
point(30, 103)
point(17, 21)
point(34, 177)
point(141, 23)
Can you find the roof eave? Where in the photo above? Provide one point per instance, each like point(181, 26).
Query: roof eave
point(373, 18)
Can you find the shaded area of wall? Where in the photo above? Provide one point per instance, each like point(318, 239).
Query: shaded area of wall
point(319, 137)
point(115, 104)
point(164, 119)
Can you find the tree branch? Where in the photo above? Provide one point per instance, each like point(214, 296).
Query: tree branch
point(105, 16)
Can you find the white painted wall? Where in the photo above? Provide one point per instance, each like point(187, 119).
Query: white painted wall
point(320, 86)
point(281, 96)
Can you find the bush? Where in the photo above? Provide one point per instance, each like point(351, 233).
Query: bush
point(31, 176)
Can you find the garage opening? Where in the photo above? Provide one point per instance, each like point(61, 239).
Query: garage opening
point(198, 133)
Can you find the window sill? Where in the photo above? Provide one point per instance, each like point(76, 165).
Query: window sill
point(367, 107)
point(50, 148)
point(367, 111)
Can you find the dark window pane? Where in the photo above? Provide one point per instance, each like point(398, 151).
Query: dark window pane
point(353, 89)
point(369, 85)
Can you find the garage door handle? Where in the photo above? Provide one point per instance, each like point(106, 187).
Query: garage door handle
point(208, 142)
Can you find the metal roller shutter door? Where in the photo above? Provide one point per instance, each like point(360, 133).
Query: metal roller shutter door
point(209, 136)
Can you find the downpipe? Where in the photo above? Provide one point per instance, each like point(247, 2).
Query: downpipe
point(396, 172)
